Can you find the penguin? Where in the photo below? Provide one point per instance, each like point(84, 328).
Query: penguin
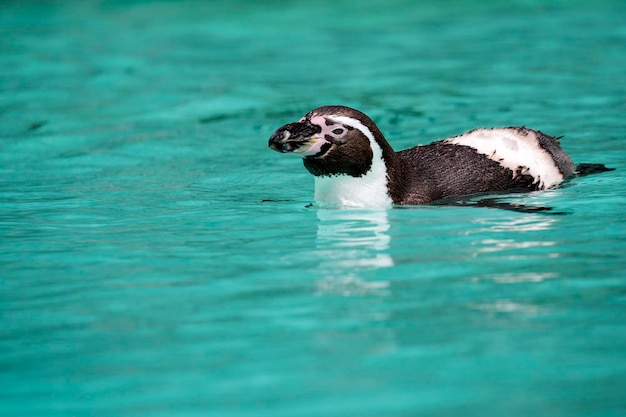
point(354, 165)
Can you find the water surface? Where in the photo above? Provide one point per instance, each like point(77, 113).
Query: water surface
point(157, 259)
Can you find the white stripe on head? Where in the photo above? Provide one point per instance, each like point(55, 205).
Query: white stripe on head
point(514, 150)
point(369, 190)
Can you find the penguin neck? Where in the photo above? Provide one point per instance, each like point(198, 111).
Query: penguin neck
point(378, 187)
point(394, 170)
point(395, 187)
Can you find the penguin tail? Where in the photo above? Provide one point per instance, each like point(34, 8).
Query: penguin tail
point(588, 169)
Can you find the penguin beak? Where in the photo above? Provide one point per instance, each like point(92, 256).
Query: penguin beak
point(301, 138)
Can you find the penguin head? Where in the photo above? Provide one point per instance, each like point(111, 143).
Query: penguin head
point(332, 140)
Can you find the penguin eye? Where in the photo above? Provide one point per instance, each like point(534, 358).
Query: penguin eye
point(338, 131)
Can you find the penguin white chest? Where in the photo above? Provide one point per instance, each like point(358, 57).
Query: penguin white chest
point(369, 190)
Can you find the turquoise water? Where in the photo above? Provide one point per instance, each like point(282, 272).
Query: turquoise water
point(157, 259)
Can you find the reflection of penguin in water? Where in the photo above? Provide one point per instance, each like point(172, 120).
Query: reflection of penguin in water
point(354, 245)
point(363, 235)
point(354, 165)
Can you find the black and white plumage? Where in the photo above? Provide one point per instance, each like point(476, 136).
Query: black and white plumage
point(354, 165)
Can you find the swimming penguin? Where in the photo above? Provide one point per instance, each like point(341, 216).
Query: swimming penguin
point(354, 165)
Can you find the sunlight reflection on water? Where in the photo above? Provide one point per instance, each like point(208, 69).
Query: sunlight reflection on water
point(528, 223)
point(517, 239)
